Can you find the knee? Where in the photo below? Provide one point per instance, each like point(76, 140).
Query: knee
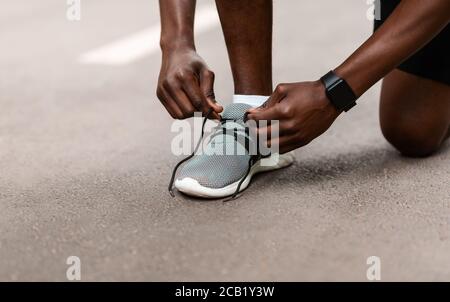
point(411, 140)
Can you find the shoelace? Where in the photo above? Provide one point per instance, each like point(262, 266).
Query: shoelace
point(252, 160)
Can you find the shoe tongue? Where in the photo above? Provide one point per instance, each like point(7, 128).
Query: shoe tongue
point(235, 111)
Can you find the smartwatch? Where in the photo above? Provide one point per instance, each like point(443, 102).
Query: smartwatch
point(338, 92)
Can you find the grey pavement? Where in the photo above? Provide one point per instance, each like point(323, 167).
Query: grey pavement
point(85, 160)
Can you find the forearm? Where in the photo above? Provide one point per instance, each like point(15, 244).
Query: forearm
point(177, 24)
point(412, 25)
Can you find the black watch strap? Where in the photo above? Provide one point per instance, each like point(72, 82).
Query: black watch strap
point(339, 92)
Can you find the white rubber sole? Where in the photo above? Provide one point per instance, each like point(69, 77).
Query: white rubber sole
point(192, 187)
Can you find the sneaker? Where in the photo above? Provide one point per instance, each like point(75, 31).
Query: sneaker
point(216, 174)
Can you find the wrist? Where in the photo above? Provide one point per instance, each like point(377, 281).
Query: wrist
point(183, 42)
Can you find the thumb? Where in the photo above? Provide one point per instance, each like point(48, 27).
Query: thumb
point(274, 99)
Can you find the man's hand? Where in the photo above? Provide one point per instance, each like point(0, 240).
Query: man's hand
point(303, 111)
point(185, 85)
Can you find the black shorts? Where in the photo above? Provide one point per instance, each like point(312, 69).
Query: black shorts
point(433, 60)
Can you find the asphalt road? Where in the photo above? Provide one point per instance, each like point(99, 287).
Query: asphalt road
point(85, 160)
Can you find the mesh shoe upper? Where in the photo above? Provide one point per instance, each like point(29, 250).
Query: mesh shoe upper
point(224, 160)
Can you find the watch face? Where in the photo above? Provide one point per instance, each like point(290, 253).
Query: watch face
point(338, 91)
point(342, 96)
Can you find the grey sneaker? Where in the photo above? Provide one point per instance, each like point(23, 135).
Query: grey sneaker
point(225, 167)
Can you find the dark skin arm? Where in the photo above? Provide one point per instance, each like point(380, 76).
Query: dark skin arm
point(303, 109)
point(185, 83)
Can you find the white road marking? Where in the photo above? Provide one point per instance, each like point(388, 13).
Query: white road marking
point(145, 42)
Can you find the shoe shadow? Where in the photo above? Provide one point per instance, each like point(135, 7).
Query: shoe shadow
point(369, 162)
